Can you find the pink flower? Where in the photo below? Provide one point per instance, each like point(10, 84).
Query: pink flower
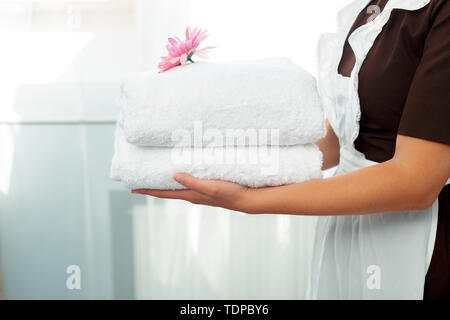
point(180, 52)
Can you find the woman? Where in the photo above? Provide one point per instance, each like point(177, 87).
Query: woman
point(384, 226)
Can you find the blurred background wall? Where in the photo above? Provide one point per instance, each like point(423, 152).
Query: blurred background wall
point(61, 64)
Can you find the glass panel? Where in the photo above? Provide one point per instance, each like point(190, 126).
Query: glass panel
point(62, 209)
point(43, 221)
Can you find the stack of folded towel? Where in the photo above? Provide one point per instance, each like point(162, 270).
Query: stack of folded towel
point(252, 123)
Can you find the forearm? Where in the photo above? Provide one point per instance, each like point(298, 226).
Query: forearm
point(381, 188)
point(411, 180)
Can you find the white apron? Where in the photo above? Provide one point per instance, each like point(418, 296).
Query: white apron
point(380, 256)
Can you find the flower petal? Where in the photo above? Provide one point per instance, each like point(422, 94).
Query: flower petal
point(188, 45)
point(199, 39)
point(183, 59)
point(205, 49)
point(179, 50)
point(194, 32)
point(171, 50)
point(201, 55)
point(173, 42)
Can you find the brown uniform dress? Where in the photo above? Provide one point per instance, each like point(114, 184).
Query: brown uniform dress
point(404, 88)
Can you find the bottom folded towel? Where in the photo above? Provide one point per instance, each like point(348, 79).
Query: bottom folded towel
point(154, 167)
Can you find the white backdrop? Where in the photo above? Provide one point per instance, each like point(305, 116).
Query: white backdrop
point(62, 62)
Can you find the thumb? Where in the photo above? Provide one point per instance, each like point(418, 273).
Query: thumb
point(193, 183)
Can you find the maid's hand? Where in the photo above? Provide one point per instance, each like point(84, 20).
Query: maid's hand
point(207, 192)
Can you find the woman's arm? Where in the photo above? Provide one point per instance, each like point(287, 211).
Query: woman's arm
point(411, 180)
point(330, 148)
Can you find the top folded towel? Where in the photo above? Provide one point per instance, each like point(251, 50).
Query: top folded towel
point(230, 103)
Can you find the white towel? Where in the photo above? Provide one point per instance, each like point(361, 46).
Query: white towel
point(154, 167)
point(232, 98)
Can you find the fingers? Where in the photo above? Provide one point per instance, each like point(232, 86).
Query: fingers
point(201, 185)
point(198, 189)
point(186, 195)
point(167, 194)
